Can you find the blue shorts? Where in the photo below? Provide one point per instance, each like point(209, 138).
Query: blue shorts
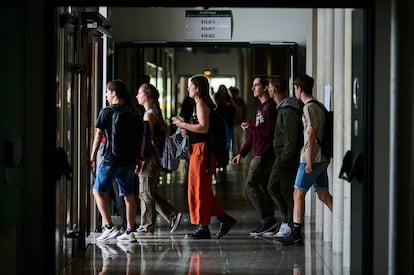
point(124, 176)
point(317, 179)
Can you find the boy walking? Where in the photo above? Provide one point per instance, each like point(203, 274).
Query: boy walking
point(287, 142)
point(312, 171)
point(259, 141)
point(119, 163)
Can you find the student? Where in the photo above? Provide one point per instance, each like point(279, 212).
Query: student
point(151, 201)
point(238, 135)
point(119, 168)
point(202, 202)
point(287, 143)
point(259, 142)
point(312, 171)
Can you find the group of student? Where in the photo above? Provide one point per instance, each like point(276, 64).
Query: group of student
point(142, 167)
point(282, 172)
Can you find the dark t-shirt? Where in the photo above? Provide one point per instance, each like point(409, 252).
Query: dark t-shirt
point(196, 137)
point(104, 122)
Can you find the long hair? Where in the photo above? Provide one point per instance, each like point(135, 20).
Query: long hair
point(152, 95)
point(201, 82)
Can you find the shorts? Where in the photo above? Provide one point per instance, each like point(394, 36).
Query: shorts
point(123, 175)
point(317, 179)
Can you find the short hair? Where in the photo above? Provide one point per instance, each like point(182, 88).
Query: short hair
point(305, 82)
point(263, 80)
point(280, 83)
point(119, 87)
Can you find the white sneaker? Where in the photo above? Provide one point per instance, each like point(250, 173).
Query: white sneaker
point(108, 253)
point(284, 231)
point(129, 238)
point(108, 233)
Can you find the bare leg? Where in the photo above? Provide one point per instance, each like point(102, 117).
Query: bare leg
point(298, 206)
point(103, 206)
point(131, 211)
point(325, 197)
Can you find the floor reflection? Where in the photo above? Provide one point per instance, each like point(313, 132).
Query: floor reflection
point(236, 253)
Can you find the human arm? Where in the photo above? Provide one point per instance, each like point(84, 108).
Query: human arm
point(203, 116)
point(138, 163)
point(146, 146)
point(311, 143)
point(95, 146)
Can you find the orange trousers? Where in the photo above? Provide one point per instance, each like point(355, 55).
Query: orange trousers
point(202, 203)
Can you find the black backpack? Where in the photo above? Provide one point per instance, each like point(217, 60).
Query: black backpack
point(218, 138)
point(126, 135)
point(327, 139)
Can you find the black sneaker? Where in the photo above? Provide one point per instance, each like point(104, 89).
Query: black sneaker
point(264, 227)
point(225, 225)
point(291, 240)
point(202, 232)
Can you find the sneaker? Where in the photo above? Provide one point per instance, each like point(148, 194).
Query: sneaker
point(225, 225)
point(126, 237)
point(291, 240)
point(284, 231)
point(108, 253)
point(176, 222)
point(202, 232)
point(108, 233)
point(264, 227)
point(141, 230)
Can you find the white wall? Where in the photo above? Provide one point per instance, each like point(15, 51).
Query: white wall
point(168, 24)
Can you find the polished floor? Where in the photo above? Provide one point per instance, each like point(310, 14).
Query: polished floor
point(236, 253)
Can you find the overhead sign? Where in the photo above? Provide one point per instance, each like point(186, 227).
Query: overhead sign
point(208, 24)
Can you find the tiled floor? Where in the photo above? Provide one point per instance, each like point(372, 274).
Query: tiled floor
point(236, 253)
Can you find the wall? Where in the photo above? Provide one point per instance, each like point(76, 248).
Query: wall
point(168, 24)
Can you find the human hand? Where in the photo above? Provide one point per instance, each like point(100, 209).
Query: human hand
point(92, 164)
point(183, 132)
point(236, 159)
point(245, 125)
point(138, 167)
point(177, 121)
point(308, 168)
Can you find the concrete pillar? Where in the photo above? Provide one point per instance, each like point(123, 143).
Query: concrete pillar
point(318, 92)
point(338, 107)
point(328, 82)
point(311, 69)
point(347, 102)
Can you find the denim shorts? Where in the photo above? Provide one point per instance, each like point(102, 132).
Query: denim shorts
point(317, 179)
point(123, 175)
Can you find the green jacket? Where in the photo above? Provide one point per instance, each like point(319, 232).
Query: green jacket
point(288, 135)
